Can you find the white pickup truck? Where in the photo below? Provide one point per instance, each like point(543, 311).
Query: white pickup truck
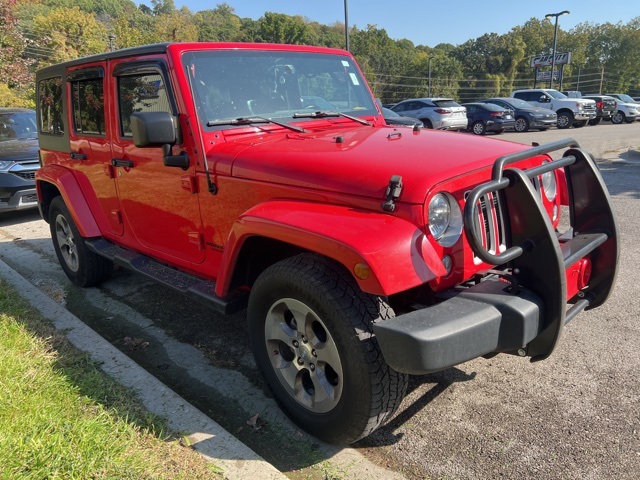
point(571, 111)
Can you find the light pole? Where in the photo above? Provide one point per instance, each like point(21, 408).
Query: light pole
point(346, 24)
point(111, 39)
point(555, 40)
point(429, 70)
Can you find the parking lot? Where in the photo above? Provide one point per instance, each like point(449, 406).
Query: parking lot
point(574, 416)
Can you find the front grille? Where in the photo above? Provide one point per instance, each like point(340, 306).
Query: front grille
point(25, 175)
point(491, 222)
point(589, 107)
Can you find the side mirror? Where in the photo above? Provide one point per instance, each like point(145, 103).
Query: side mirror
point(157, 129)
point(544, 99)
point(153, 129)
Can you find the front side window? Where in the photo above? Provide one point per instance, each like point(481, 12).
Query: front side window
point(279, 84)
point(141, 93)
point(50, 106)
point(88, 106)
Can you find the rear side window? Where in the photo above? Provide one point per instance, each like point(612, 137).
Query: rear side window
point(50, 106)
point(88, 106)
point(141, 93)
point(446, 103)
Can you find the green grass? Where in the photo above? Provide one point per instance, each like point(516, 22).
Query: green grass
point(62, 417)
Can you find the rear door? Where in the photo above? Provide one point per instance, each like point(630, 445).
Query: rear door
point(159, 204)
point(90, 155)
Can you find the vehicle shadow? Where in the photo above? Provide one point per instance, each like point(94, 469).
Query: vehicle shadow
point(15, 217)
point(386, 435)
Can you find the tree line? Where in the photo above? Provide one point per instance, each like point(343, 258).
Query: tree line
point(37, 33)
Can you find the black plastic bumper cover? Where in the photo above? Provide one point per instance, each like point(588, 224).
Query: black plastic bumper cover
point(476, 321)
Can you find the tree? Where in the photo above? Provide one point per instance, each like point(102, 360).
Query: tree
point(70, 33)
point(281, 28)
point(15, 78)
point(218, 25)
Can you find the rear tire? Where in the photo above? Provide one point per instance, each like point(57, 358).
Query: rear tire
point(83, 267)
point(595, 121)
point(427, 123)
point(310, 328)
point(478, 128)
point(580, 124)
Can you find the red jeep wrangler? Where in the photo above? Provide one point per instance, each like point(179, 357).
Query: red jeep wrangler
point(264, 176)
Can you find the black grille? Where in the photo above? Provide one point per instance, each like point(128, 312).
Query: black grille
point(26, 175)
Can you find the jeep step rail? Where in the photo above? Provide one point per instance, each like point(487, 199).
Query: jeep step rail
point(190, 285)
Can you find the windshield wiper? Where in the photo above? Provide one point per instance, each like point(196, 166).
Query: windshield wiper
point(330, 114)
point(252, 120)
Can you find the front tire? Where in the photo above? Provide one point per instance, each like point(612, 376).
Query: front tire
point(618, 118)
point(310, 328)
point(82, 266)
point(521, 125)
point(565, 119)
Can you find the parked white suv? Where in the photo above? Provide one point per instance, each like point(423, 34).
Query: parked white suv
point(438, 113)
point(571, 111)
point(628, 109)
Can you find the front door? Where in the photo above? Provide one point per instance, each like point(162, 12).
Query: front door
point(159, 203)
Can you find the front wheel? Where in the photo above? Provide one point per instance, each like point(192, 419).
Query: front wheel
point(521, 125)
point(310, 331)
point(618, 118)
point(82, 266)
point(565, 119)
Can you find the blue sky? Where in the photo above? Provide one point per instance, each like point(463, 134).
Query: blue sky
point(428, 22)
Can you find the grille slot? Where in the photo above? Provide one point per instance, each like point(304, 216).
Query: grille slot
point(490, 223)
point(25, 175)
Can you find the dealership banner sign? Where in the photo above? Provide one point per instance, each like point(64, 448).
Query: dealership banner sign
point(545, 60)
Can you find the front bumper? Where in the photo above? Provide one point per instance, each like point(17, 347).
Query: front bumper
point(543, 122)
point(16, 193)
point(527, 314)
point(582, 115)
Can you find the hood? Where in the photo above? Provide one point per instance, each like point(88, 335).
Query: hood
point(19, 150)
point(363, 163)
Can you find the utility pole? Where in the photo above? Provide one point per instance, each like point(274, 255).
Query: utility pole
point(429, 69)
point(111, 39)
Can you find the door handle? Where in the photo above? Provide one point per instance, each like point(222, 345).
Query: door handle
point(78, 156)
point(118, 162)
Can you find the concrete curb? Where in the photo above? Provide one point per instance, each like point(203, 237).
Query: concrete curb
point(213, 442)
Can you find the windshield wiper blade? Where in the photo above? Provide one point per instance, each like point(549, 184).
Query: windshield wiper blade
point(251, 120)
point(330, 114)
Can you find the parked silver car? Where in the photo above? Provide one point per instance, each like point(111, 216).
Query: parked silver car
point(438, 113)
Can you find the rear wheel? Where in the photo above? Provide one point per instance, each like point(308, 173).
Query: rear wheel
point(478, 128)
point(427, 123)
point(580, 124)
point(521, 125)
point(565, 119)
point(595, 121)
point(618, 117)
point(310, 331)
point(82, 266)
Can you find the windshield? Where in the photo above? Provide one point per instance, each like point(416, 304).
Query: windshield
point(626, 98)
point(517, 103)
point(17, 125)
point(233, 84)
point(556, 94)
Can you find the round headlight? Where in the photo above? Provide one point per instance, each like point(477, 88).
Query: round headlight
point(445, 219)
point(549, 185)
point(439, 215)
